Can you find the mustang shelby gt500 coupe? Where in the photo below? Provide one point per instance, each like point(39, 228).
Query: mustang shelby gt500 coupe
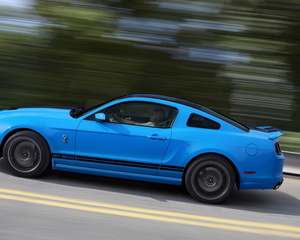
point(148, 138)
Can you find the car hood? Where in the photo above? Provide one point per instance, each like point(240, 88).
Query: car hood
point(37, 111)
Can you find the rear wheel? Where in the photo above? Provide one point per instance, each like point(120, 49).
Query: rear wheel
point(27, 154)
point(210, 179)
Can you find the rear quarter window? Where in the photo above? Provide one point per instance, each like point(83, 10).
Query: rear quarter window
point(198, 121)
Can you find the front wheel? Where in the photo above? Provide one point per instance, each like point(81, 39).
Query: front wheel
point(26, 154)
point(210, 179)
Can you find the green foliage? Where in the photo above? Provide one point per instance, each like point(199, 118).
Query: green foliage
point(290, 141)
point(238, 57)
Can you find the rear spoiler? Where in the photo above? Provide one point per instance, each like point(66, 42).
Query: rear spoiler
point(273, 132)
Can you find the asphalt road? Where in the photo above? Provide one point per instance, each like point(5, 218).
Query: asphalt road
point(292, 164)
point(72, 206)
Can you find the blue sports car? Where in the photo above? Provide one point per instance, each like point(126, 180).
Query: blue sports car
point(148, 138)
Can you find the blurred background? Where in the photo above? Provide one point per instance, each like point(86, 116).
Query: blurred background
point(239, 57)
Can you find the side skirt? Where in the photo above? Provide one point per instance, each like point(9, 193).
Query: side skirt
point(125, 175)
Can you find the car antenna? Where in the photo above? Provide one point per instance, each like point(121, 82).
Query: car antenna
point(248, 115)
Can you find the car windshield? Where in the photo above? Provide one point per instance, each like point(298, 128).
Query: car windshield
point(79, 111)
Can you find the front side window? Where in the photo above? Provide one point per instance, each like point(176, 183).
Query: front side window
point(198, 121)
point(141, 113)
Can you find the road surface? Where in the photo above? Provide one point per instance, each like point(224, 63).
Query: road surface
point(72, 206)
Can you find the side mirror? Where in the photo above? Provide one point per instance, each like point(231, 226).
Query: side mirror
point(100, 116)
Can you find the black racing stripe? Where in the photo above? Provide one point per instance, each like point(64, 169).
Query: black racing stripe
point(274, 130)
point(117, 162)
point(171, 168)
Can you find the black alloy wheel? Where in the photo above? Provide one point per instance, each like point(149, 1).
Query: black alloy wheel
point(210, 179)
point(26, 154)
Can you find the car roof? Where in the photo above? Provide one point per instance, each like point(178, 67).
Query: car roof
point(167, 98)
point(193, 105)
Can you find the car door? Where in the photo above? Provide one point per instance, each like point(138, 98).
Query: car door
point(120, 146)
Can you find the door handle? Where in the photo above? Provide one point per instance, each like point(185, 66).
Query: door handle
point(156, 137)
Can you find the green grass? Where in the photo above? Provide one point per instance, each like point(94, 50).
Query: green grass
point(290, 141)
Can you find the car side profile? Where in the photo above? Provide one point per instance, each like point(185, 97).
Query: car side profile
point(144, 137)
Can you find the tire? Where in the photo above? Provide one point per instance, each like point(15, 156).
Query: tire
point(26, 154)
point(210, 179)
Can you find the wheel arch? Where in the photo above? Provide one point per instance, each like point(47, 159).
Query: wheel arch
point(237, 176)
point(7, 136)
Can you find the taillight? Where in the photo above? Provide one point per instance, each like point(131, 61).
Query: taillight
point(277, 149)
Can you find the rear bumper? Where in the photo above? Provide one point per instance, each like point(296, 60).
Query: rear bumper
point(269, 176)
point(262, 183)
